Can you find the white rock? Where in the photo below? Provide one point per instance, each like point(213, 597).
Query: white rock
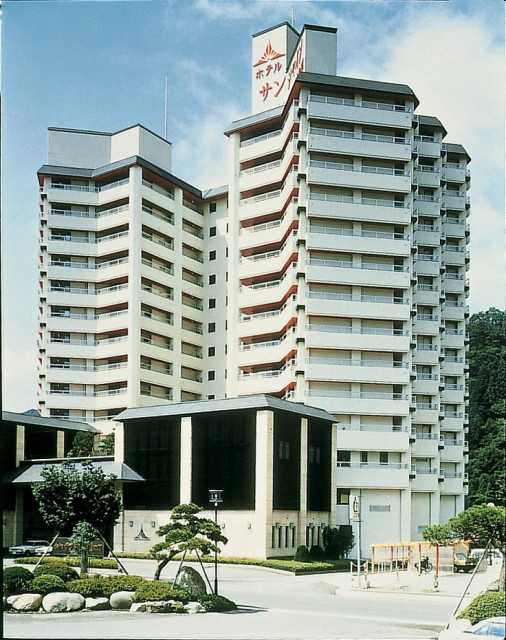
point(97, 604)
point(25, 602)
point(122, 599)
point(138, 607)
point(62, 602)
point(194, 607)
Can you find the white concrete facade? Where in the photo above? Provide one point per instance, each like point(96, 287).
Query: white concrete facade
point(340, 271)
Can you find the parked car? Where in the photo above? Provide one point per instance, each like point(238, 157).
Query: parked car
point(490, 628)
point(478, 553)
point(31, 548)
point(464, 563)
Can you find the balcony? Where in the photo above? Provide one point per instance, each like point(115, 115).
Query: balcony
point(267, 143)
point(339, 337)
point(453, 421)
point(372, 475)
point(268, 172)
point(454, 283)
point(427, 146)
point(367, 274)
point(426, 205)
point(80, 348)
point(261, 264)
point(367, 371)
point(426, 324)
point(156, 194)
point(454, 310)
point(268, 202)
point(364, 112)
point(372, 438)
point(327, 205)
point(428, 235)
point(454, 228)
point(365, 177)
point(425, 446)
point(425, 413)
point(428, 355)
point(349, 143)
point(426, 295)
point(453, 172)
point(257, 353)
point(427, 176)
point(426, 384)
point(267, 233)
point(453, 340)
point(452, 367)
point(424, 479)
point(268, 292)
point(267, 321)
point(452, 483)
point(344, 239)
point(267, 381)
point(455, 255)
point(454, 200)
point(359, 403)
point(79, 374)
point(336, 304)
point(453, 451)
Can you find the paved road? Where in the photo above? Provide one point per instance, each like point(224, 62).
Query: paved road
point(274, 605)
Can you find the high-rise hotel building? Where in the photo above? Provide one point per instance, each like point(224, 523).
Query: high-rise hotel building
point(331, 270)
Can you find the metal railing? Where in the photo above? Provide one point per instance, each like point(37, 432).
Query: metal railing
point(340, 166)
point(370, 137)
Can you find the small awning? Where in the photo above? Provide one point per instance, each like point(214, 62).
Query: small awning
point(31, 473)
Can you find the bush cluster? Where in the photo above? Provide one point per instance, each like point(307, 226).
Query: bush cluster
point(16, 580)
point(104, 586)
point(160, 591)
point(217, 603)
point(59, 569)
point(45, 584)
point(486, 605)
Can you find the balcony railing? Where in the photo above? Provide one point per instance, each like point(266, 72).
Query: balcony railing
point(387, 466)
point(392, 364)
point(366, 104)
point(261, 167)
point(265, 136)
point(344, 231)
point(340, 166)
point(363, 331)
point(378, 202)
point(339, 133)
point(368, 266)
point(165, 217)
point(157, 187)
point(361, 395)
point(266, 373)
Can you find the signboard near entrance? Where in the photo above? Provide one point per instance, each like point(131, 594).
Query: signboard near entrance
point(64, 547)
point(354, 509)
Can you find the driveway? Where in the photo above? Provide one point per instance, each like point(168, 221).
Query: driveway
point(273, 605)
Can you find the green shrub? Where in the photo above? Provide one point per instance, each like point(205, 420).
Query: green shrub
point(63, 571)
point(316, 553)
point(486, 605)
point(91, 587)
point(94, 563)
point(155, 590)
point(302, 554)
point(104, 586)
point(217, 603)
point(45, 584)
point(17, 580)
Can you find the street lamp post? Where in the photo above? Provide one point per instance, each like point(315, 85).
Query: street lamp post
point(216, 498)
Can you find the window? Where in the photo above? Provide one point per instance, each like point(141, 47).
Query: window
point(212, 207)
point(379, 507)
point(363, 456)
point(342, 496)
point(210, 375)
point(211, 327)
point(211, 397)
point(211, 351)
point(314, 455)
point(293, 535)
point(212, 255)
point(273, 536)
point(383, 457)
point(226, 252)
point(284, 450)
point(212, 303)
point(212, 278)
point(343, 458)
point(212, 232)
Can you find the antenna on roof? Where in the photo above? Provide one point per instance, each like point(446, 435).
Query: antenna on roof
point(166, 102)
point(293, 16)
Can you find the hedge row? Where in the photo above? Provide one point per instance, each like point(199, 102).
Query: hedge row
point(283, 564)
point(94, 563)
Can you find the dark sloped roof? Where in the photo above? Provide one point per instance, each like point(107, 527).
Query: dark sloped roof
point(215, 192)
point(30, 472)
point(259, 401)
point(53, 423)
point(356, 83)
point(431, 121)
point(455, 148)
point(256, 118)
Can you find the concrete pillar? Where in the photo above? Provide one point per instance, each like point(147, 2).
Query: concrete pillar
point(333, 475)
point(405, 515)
point(119, 442)
point(263, 481)
point(134, 284)
point(60, 444)
point(18, 517)
point(301, 534)
point(20, 444)
point(434, 507)
point(185, 487)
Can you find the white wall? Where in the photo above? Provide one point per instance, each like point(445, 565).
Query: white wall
point(74, 149)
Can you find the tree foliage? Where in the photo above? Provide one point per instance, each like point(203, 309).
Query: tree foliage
point(439, 534)
point(337, 542)
point(82, 445)
point(186, 531)
point(105, 446)
point(69, 494)
point(487, 407)
point(479, 524)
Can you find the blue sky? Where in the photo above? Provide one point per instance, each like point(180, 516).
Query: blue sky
point(101, 65)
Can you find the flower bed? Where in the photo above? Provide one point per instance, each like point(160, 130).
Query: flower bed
point(94, 563)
